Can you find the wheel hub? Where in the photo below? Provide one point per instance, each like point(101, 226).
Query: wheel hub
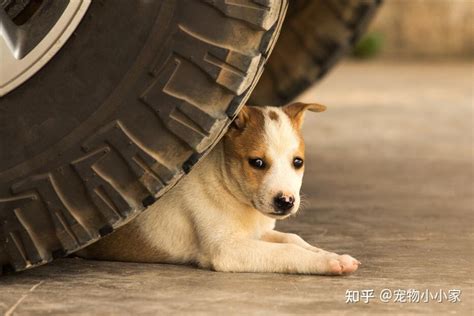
point(31, 33)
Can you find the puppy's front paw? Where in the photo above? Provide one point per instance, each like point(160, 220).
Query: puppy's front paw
point(342, 264)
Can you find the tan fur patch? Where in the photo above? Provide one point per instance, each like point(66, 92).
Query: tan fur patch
point(273, 115)
point(296, 118)
point(111, 247)
point(241, 144)
point(296, 111)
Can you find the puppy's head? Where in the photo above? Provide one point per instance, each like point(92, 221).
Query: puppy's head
point(264, 153)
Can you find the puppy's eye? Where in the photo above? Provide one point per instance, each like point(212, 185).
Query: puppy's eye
point(257, 163)
point(298, 162)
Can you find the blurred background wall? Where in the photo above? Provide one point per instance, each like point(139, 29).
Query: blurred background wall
point(421, 29)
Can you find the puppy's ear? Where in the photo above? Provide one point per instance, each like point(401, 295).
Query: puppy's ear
point(296, 111)
point(242, 118)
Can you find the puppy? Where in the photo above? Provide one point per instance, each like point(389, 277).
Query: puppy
point(222, 215)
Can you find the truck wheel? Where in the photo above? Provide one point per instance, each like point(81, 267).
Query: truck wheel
point(136, 96)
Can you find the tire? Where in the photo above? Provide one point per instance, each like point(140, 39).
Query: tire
point(137, 96)
point(315, 35)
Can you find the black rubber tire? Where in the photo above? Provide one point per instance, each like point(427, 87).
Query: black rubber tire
point(315, 35)
point(138, 94)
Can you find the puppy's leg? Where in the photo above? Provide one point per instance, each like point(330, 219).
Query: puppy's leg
point(286, 238)
point(248, 255)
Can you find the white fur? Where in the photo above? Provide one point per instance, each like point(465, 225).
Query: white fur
point(281, 141)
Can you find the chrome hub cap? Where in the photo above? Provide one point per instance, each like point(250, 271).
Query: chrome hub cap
point(29, 39)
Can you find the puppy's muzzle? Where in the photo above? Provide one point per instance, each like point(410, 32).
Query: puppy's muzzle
point(283, 204)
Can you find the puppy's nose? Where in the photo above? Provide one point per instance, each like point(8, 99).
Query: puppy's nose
point(283, 202)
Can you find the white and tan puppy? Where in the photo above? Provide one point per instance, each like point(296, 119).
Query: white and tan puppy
point(222, 215)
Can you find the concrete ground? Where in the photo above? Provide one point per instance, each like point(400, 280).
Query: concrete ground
point(389, 180)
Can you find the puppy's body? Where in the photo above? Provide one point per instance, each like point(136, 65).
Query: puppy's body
point(222, 215)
